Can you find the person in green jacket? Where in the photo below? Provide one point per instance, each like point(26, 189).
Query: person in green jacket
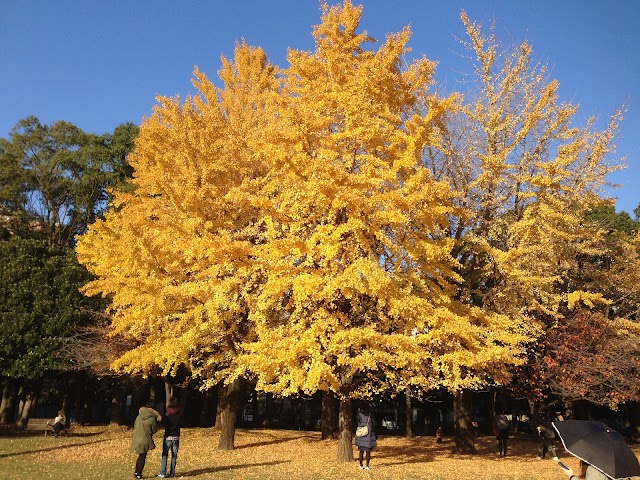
point(144, 427)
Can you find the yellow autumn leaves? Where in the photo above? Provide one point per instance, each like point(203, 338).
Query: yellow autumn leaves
point(337, 225)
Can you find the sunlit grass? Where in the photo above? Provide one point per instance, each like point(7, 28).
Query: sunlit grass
point(103, 453)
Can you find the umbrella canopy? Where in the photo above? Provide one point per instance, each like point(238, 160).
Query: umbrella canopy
point(600, 446)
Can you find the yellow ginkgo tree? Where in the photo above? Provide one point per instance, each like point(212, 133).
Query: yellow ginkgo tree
point(338, 226)
point(359, 293)
point(525, 173)
point(174, 256)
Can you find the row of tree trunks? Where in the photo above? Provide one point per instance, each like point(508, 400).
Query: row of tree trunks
point(28, 405)
point(9, 395)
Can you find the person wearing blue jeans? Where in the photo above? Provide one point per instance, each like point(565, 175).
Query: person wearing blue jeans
point(171, 441)
point(173, 444)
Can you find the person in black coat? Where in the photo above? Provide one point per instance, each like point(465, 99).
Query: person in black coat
point(368, 442)
point(546, 440)
point(502, 432)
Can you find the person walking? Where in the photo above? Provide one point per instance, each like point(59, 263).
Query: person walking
point(145, 425)
point(502, 432)
point(546, 437)
point(439, 434)
point(366, 438)
point(171, 440)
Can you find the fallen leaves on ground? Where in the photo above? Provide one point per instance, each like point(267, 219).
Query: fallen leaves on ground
point(299, 455)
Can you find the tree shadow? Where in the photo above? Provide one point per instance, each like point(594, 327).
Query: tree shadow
point(424, 449)
point(274, 439)
point(50, 449)
point(417, 451)
point(203, 471)
point(12, 431)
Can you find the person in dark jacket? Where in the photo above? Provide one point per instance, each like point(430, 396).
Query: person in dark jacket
point(502, 432)
point(59, 423)
point(546, 437)
point(146, 424)
point(171, 441)
point(368, 442)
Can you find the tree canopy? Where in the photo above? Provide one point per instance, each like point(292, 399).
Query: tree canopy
point(54, 177)
point(340, 225)
point(41, 308)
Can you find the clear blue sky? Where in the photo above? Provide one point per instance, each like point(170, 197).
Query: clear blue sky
point(100, 63)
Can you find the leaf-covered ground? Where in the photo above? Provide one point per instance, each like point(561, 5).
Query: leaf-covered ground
point(102, 453)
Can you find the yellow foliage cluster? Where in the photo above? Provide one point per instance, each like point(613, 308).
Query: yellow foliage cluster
point(335, 225)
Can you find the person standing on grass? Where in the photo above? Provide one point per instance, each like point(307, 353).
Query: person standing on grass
point(145, 425)
point(502, 432)
point(171, 441)
point(439, 434)
point(367, 442)
point(546, 437)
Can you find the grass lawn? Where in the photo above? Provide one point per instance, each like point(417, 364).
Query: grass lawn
point(103, 453)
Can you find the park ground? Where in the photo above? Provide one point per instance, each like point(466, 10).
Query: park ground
point(102, 453)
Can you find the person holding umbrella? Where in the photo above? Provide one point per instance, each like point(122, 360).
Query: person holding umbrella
point(603, 452)
point(587, 472)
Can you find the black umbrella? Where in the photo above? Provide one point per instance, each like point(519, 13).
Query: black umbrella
point(600, 446)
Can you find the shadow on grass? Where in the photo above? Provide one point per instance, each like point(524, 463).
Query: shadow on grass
point(203, 471)
point(20, 433)
point(50, 449)
point(416, 451)
point(424, 449)
point(273, 439)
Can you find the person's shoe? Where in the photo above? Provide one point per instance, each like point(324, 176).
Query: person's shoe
point(361, 467)
point(161, 476)
point(136, 475)
point(367, 467)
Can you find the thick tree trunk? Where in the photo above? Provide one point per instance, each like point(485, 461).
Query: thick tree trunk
point(632, 414)
point(228, 407)
point(169, 391)
point(463, 431)
point(118, 400)
point(153, 391)
point(534, 414)
point(28, 407)
point(345, 450)
point(9, 392)
point(219, 406)
point(328, 418)
point(408, 414)
point(268, 410)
